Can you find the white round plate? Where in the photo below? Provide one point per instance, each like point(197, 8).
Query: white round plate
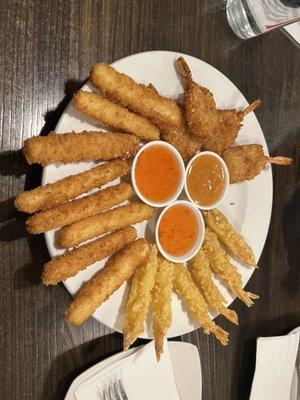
point(247, 205)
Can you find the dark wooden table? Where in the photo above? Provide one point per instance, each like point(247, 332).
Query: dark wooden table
point(47, 48)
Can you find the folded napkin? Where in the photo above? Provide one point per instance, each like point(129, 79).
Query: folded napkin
point(142, 377)
point(275, 364)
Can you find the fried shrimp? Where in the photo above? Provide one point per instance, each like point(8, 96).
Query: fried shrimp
point(230, 122)
point(234, 242)
point(186, 288)
point(199, 105)
point(145, 101)
point(247, 161)
point(115, 116)
point(202, 274)
point(139, 298)
point(107, 221)
point(53, 194)
point(222, 267)
point(70, 263)
point(75, 210)
point(82, 146)
point(120, 268)
point(161, 303)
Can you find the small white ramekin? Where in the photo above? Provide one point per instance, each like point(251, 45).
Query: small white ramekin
point(200, 237)
point(226, 180)
point(181, 167)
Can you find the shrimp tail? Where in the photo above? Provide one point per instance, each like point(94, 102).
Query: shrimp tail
point(221, 335)
point(231, 315)
point(249, 109)
point(247, 297)
point(184, 69)
point(280, 160)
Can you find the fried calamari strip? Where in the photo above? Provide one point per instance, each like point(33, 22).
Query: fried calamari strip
point(222, 267)
point(52, 194)
point(161, 303)
point(107, 221)
point(120, 268)
point(70, 263)
point(72, 211)
point(186, 288)
point(247, 161)
point(139, 298)
point(82, 146)
point(235, 242)
point(202, 274)
point(115, 116)
point(162, 111)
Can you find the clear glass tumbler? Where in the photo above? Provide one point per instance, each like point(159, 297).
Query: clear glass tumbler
point(249, 18)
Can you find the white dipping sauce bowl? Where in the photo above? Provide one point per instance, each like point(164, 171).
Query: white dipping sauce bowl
point(181, 167)
point(226, 180)
point(201, 230)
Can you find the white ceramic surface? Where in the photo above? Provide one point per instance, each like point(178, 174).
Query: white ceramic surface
point(248, 205)
point(181, 167)
point(186, 257)
point(186, 368)
point(226, 180)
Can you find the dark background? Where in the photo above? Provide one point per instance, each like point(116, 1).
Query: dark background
point(47, 49)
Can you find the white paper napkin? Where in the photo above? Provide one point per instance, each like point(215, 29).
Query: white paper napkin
point(275, 364)
point(142, 376)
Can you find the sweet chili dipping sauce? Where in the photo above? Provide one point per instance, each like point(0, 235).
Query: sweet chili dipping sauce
point(205, 180)
point(178, 230)
point(157, 173)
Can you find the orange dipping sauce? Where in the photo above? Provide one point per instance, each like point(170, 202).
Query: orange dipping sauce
point(178, 230)
point(157, 173)
point(206, 180)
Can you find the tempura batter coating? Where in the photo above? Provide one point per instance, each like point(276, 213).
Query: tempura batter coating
point(230, 123)
point(115, 116)
point(78, 209)
point(222, 267)
point(139, 298)
point(229, 237)
point(107, 221)
point(82, 146)
point(70, 263)
point(120, 268)
point(53, 194)
point(247, 161)
point(202, 274)
point(161, 303)
point(162, 111)
point(186, 288)
point(199, 105)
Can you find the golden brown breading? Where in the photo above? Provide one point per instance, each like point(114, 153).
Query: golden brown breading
point(222, 267)
point(53, 194)
point(161, 303)
point(186, 288)
point(115, 116)
point(162, 111)
point(202, 274)
point(82, 146)
point(107, 221)
point(139, 298)
point(70, 263)
point(120, 268)
point(199, 105)
point(75, 210)
point(235, 242)
point(247, 161)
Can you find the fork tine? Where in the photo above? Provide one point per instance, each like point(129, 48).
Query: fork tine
point(123, 393)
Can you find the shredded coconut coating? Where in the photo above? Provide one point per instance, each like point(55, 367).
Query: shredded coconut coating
point(202, 274)
point(229, 237)
point(222, 267)
point(139, 298)
point(161, 303)
point(186, 288)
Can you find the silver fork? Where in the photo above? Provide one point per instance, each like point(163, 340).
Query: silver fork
point(117, 392)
